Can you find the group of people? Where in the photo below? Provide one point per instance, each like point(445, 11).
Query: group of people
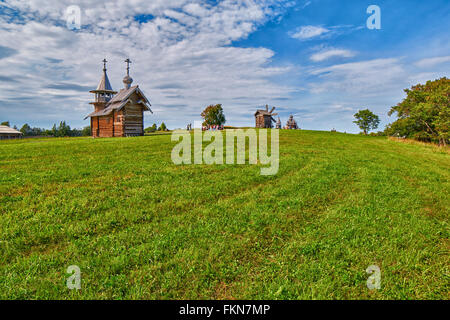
point(207, 127)
point(212, 127)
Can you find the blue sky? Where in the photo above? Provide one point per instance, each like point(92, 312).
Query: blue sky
point(314, 59)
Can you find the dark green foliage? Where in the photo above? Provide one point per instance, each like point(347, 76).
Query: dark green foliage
point(162, 127)
point(26, 130)
point(63, 130)
point(153, 128)
point(54, 131)
point(366, 120)
point(424, 114)
point(5, 123)
point(378, 134)
point(33, 132)
point(213, 115)
point(86, 131)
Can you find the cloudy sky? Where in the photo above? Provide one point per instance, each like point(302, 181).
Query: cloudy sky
point(315, 59)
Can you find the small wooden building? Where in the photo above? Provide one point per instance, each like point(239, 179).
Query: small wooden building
point(118, 114)
point(264, 118)
point(9, 133)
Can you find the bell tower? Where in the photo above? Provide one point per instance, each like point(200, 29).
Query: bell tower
point(104, 91)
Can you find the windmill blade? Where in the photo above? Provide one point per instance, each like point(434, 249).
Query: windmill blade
point(267, 107)
point(274, 114)
point(272, 109)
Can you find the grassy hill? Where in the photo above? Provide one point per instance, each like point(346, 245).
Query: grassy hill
point(140, 227)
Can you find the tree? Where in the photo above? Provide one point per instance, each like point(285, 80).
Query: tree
point(54, 131)
point(63, 129)
point(36, 131)
point(76, 132)
point(153, 128)
point(425, 113)
point(5, 123)
point(86, 131)
point(213, 115)
point(366, 120)
point(26, 130)
point(162, 127)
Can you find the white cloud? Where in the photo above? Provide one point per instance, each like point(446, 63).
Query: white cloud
point(319, 32)
point(182, 58)
point(306, 4)
point(309, 32)
point(431, 62)
point(363, 78)
point(330, 53)
point(371, 78)
point(338, 91)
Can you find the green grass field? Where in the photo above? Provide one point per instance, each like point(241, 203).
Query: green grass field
point(140, 227)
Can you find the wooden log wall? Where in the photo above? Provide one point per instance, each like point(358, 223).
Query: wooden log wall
point(118, 124)
point(133, 120)
point(263, 121)
point(105, 126)
point(260, 121)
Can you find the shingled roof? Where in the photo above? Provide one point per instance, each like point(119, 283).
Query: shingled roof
point(120, 100)
point(263, 112)
point(104, 85)
point(266, 112)
point(8, 130)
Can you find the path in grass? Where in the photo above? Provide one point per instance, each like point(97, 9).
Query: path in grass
point(140, 227)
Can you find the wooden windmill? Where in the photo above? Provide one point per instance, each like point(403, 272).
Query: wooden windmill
point(264, 118)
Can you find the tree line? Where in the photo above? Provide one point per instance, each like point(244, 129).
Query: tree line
point(62, 130)
point(155, 128)
point(424, 114)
